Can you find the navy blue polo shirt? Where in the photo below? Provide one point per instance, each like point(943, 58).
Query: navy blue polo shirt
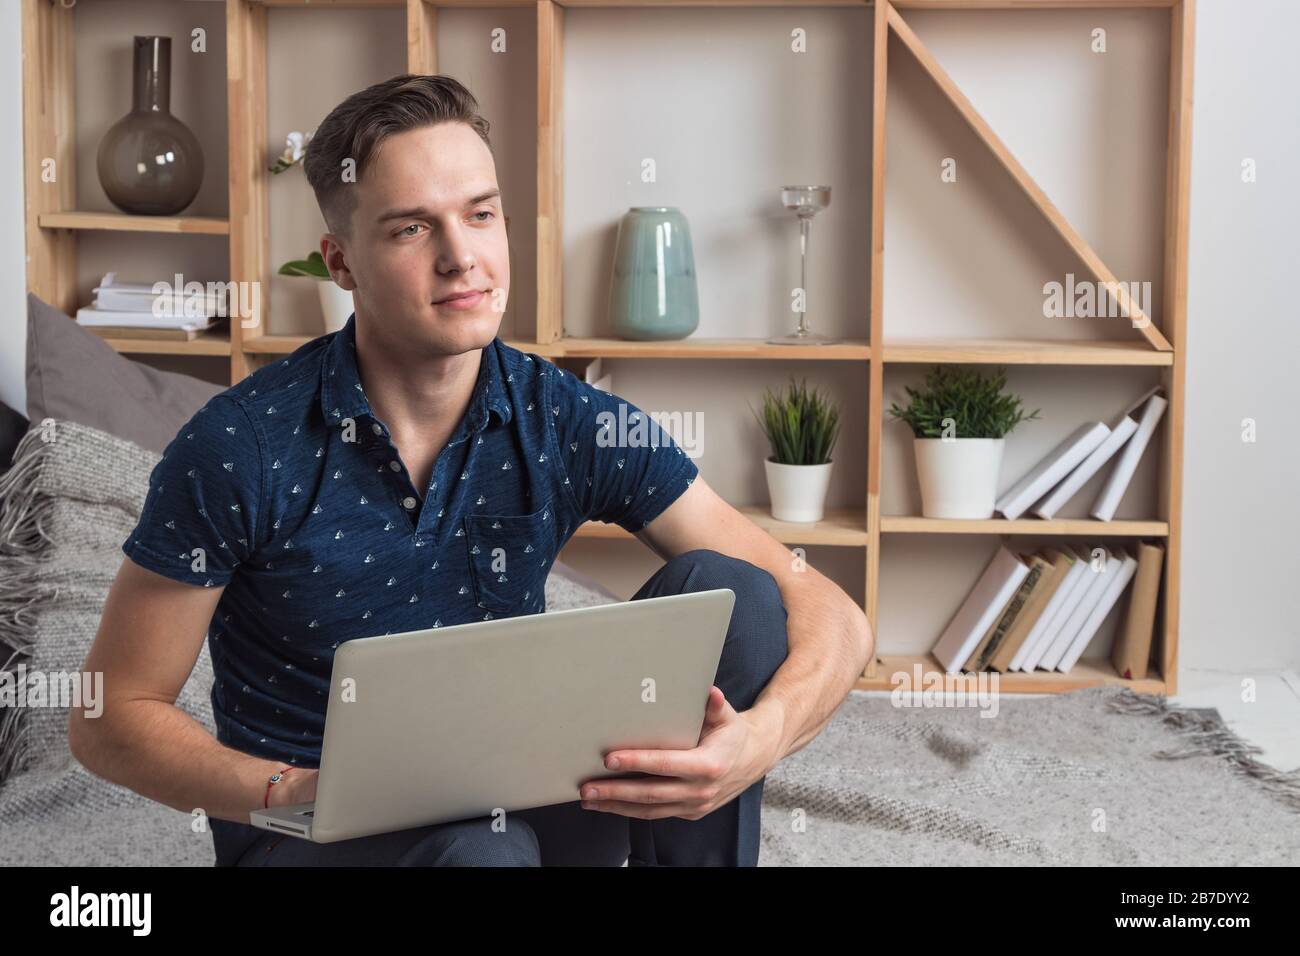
point(289, 491)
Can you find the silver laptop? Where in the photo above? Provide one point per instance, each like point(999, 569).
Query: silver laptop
point(456, 722)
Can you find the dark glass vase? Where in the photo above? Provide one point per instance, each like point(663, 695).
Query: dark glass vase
point(149, 162)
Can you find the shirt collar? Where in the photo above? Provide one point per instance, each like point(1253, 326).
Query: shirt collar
point(342, 396)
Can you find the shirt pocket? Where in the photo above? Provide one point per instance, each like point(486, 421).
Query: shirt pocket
point(509, 558)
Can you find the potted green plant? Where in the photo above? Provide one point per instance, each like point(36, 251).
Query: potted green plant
point(959, 420)
point(335, 301)
point(801, 427)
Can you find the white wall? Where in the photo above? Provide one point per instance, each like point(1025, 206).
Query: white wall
point(1241, 603)
point(13, 264)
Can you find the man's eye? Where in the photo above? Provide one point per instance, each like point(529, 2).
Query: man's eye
point(484, 212)
point(414, 225)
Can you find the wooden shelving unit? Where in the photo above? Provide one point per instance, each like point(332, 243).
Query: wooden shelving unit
point(53, 225)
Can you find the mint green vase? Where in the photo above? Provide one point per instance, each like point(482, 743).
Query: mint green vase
point(652, 293)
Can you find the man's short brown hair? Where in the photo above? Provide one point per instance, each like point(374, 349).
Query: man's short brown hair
point(355, 128)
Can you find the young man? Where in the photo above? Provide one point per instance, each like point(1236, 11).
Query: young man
point(365, 484)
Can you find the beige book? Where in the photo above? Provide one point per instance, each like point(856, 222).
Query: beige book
point(1131, 651)
point(1048, 582)
point(993, 637)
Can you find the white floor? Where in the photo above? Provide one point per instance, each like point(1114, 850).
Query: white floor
point(1271, 720)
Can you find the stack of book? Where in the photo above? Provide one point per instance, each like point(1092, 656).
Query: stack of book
point(1059, 476)
point(134, 310)
point(1041, 610)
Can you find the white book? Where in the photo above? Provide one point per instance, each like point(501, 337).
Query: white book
point(1059, 597)
point(1058, 463)
point(1108, 598)
point(1079, 587)
point(139, 297)
point(1152, 406)
point(986, 600)
point(596, 376)
point(1098, 581)
point(1091, 465)
point(90, 316)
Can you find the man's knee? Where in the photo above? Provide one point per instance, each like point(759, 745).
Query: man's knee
point(759, 615)
point(476, 843)
point(708, 569)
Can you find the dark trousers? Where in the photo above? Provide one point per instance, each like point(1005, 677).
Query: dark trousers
point(564, 834)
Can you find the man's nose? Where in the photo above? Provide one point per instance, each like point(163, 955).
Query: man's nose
point(456, 254)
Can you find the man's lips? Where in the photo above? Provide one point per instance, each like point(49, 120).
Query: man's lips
point(460, 296)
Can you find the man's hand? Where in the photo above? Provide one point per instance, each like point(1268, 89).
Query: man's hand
point(298, 786)
point(734, 751)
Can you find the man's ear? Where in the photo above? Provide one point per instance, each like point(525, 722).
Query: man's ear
point(335, 255)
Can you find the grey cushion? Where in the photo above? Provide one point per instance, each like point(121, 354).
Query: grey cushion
point(73, 375)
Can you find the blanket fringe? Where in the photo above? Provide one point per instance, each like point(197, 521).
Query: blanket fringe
point(24, 514)
point(1202, 734)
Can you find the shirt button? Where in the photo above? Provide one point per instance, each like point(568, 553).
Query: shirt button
point(377, 429)
point(395, 465)
point(408, 502)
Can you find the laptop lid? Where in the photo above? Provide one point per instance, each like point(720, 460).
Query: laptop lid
point(450, 723)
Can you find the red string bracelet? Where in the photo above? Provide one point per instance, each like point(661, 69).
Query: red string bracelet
point(274, 779)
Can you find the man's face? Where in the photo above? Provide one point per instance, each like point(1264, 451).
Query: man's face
point(429, 224)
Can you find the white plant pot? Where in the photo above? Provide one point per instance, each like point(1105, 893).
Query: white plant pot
point(335, 305)
point(959, 478)
point(797, 492)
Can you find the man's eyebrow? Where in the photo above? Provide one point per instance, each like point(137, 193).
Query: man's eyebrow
point(422, 211)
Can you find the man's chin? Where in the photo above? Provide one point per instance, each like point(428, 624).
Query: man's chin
point(463, 332)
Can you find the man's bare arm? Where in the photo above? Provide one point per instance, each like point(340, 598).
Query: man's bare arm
point(148, 641)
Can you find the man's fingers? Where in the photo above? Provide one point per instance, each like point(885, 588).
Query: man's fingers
point(642, 791)
point(664, 763)
point(718, 707)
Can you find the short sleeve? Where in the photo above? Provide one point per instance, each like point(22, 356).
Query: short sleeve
point(200, 516)
point(621, 465)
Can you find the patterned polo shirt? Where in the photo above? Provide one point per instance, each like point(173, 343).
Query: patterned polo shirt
point(288, 490)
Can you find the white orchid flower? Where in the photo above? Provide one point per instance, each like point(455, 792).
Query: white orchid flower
point(295, 147)
point(296, 144)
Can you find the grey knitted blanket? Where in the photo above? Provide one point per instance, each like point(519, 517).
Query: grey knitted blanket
point(1100, 776)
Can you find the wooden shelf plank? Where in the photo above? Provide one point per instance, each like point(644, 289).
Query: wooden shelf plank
point(913, 524)
point(901, 351)
point(338, 4)
point(284, 344)
point(1024, 352)
point(1026, 4)
point(122, 222)
point(706, 3)
point(209, 343)
point(693, 348)
point(550, 350)
point(1087, 672)
point(845, 527)
point(275, 344)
